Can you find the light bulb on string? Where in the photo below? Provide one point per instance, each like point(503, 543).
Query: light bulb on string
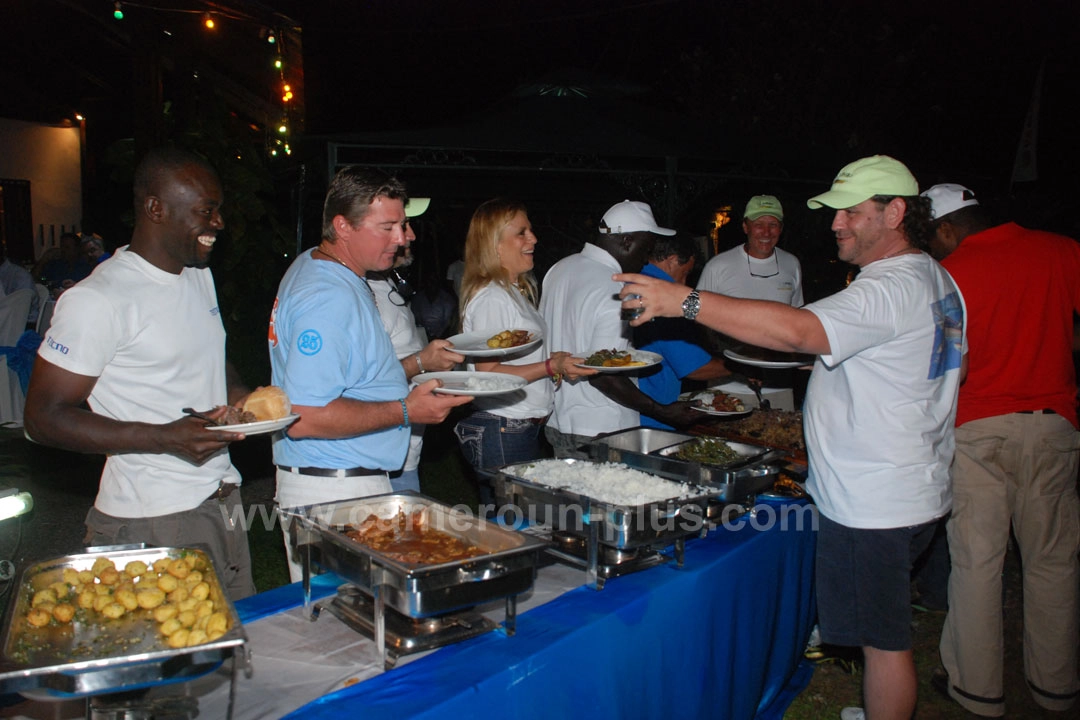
point(277, 63)
point(118, 12)
point(270, 37)
point(208, 21)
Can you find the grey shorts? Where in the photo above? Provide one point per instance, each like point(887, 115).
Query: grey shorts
point(216, 526)
point(864, 583)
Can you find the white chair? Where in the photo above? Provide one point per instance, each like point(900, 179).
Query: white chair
point(14, 310)
point(44, 318)
point(43, 297)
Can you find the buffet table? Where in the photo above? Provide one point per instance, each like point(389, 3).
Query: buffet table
point(721, 637)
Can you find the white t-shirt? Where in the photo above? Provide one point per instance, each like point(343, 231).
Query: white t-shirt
point(156, 344)
point(493, 308)
point(880, 407)
point(455, 273)
point(405, 337)
point(778, 277)
point(581, 307)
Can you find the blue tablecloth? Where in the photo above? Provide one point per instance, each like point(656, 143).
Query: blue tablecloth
point(720, 638)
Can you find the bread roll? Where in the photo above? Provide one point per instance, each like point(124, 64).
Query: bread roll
point(268, 403)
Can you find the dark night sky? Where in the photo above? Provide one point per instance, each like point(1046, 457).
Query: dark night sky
point(946, 83)
point(943, 85)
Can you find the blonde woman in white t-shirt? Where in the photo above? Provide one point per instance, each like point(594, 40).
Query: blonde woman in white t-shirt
point(498, 293)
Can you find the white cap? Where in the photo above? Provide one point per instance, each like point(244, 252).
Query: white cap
point(416, 207)
point(947, 198)
point(631, 216)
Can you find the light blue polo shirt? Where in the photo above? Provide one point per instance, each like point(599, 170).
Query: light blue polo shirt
point(328, 341)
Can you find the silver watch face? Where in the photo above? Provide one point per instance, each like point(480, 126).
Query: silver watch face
point(691, 305)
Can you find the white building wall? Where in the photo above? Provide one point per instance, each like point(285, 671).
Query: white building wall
point(50, 157)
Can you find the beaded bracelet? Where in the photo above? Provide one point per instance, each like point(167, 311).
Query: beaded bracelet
point(555, 377)
point(404, 413)
point(419, 365)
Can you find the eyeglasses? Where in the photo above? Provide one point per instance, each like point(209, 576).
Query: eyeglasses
point(750, 267)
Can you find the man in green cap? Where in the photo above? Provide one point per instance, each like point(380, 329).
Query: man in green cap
point(757, 269)
point(879, 410)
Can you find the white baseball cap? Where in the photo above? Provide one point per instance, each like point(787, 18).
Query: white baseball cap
point(631, 216)
point(947, 198)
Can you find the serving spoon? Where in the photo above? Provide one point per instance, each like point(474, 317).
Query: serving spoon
point(755, 385)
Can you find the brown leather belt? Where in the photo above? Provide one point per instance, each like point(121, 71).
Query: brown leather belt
point(224, 490)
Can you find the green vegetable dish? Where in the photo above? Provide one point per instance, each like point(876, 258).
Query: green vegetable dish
point(707, 451)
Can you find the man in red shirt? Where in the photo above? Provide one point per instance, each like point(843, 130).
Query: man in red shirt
point(1016, 454)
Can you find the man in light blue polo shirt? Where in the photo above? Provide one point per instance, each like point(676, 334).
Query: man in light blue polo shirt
point(332, 355)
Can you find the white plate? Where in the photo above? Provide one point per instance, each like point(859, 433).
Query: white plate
point(456, 382)
point(709, 410)
point(747, 360)
point(474, 344)
point(258, 428)
point(649, 358)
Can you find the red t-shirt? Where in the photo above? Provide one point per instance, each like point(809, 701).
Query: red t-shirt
point(1021, 288)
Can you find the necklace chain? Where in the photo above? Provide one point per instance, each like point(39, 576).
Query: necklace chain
point(341, 262)
point(333, 257)
point(905, 251)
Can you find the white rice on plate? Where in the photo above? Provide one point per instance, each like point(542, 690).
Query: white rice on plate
point(613, 483)
point(487, 384)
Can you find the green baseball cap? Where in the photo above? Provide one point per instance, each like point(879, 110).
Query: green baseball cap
point(763, 205)
point(863, 179)
point(416, 207)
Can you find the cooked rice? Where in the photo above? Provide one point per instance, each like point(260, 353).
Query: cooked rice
point(612, 483)
point(487, 384)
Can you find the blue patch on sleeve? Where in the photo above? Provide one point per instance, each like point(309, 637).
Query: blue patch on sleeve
point(309, 342)
point(948, 335)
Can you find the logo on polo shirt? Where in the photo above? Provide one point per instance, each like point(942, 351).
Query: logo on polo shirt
point(309, 342)
point(58, 347)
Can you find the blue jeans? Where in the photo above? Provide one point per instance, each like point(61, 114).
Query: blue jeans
point(407, 480)
point(488, 441)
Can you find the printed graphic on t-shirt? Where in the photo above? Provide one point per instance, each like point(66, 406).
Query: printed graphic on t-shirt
point(272, 334)
point(948, 335)
point(309, 342)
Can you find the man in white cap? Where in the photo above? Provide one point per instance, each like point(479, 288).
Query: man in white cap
point(392, 295)
point(580, 305)
point(879, 411)
point(757, 269)
point(1016, 454)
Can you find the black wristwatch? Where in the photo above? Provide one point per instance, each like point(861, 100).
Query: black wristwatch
point(691, 305)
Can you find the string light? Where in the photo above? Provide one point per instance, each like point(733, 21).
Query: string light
point(117, 12)
point(208, 21)
point(277, 63)
point(270, 37)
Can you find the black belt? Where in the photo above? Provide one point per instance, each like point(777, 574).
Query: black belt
point(326, 472)
point(1044, 411)
point(223, 491)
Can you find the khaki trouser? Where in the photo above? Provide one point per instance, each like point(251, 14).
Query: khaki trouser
point(1019, 469)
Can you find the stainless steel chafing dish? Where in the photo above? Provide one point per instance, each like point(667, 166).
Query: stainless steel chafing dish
point(98, 656)
point(600, 523)
point(506, 568)
point(655, 451)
